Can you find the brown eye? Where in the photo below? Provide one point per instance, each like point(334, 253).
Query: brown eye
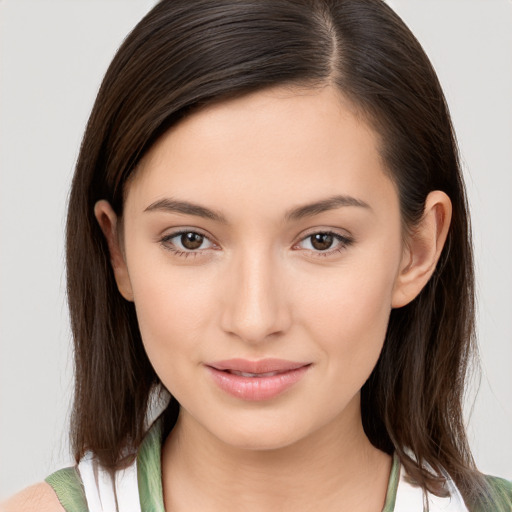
point(325, 243)
point(322, 241)
point(191, 241)
point(187, 243)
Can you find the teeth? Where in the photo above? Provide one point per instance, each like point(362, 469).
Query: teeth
point(252, 375)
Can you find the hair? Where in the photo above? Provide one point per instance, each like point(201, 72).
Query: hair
point(183, 56)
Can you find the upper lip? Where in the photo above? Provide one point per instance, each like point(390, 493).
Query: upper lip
point(261, 366)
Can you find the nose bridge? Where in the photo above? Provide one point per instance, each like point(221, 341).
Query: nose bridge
point(255, 306)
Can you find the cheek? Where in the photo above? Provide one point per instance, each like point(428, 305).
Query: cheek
point(348, 316)
point(173, 311)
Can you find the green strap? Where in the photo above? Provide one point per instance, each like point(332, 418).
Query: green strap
point(389, 504)
point(69, 489)
point(149, 470)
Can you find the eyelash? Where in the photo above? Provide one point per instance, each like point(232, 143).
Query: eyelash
point(168, 245)
point(343, 243)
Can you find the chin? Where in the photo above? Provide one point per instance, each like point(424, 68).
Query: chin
point(260, 434)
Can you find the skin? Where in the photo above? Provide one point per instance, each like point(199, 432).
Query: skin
point(257, 287)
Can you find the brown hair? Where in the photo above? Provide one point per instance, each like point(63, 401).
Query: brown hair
point(184, 55)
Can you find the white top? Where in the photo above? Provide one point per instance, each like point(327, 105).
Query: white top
point(107, 494)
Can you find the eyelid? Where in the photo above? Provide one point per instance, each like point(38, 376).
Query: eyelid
point(171, 232)
point(344, 241)
point(165, 241)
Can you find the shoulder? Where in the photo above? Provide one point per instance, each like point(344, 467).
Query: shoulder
point(62, 491)
point(36, 498)
point(494, 496)
point(500, 496)
point(500, 485)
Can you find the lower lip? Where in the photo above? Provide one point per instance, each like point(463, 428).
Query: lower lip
point(257, 388)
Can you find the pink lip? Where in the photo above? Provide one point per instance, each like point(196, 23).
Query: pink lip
point(271, 377)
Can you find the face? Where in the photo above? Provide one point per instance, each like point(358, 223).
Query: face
point(262, 246)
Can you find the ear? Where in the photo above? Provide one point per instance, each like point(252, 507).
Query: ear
point(423, 249)
point(107, 219)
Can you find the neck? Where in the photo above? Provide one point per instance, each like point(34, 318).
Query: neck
point(331, 469)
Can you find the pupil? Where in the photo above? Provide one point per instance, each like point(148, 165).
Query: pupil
point(191, 240)
point(322, 241)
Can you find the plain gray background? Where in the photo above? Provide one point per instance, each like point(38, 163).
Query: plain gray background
point(53, 56)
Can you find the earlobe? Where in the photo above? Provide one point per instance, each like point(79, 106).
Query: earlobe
point(108, 221)
point(423, 249)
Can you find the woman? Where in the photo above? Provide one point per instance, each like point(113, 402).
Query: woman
point(268, 221)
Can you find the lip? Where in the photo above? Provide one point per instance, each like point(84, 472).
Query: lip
point(256, 380)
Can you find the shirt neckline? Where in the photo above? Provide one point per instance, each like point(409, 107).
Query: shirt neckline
point(149, 472)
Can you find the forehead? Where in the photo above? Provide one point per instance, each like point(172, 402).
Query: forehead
point(272, 148)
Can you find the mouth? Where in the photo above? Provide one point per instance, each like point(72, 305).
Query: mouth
point(251, 375)
point(256, 380)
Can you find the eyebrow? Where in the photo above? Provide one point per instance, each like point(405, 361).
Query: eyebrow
point(187, 208)
point(331, 203)
point(297, 213)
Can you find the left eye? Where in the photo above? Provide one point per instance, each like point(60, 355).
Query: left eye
point(188, 241)
point(324, 241)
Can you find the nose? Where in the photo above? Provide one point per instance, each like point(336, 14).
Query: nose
point(255, 299)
